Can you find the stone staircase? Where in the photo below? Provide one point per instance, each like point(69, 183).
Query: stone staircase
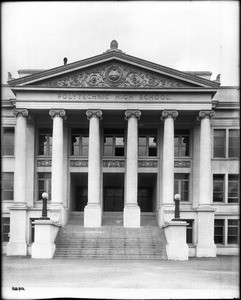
point(111, 240)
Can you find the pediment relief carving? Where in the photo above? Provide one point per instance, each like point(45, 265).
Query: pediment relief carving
point(114, 75)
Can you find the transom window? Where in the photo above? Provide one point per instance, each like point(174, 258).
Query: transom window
point(226, 188)
point(147, 143)
point(226, 231)
point(189, 231)
point(45, 142)
point(233, 188)
point(181, 143)
point(8, 141)
point(218, 188)
point(5, 229)
point(114, 143)
point(7, 185)
point(233, 143)
point(226, 143)
point(181, 186)
point(79, 142)
point(44, 184)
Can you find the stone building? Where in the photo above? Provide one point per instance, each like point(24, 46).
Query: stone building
point(116, 133)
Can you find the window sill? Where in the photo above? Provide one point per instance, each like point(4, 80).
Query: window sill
point(8, 156)
point(225, 158)
point(227, 246)
point(224, 204)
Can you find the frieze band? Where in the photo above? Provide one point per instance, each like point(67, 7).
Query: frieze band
point(115, 163)
point(44, 163)
point(182, 164)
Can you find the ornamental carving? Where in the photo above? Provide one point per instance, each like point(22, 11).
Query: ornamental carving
point(169, 114)
point(147, 163)
point(44, 163)
point(114, 163)
point(57, 113)
point(113, 75)
point(93, 113)
point(132, 114)
point(205, 114)
point(182, 164)
point(79, 163)
point(20, 112)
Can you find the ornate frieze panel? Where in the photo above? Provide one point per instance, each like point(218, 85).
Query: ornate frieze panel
point(79, 163)
point(44, 163)
point(147, 164)
point(182, 164)
point(114, 75)
point(114, 163)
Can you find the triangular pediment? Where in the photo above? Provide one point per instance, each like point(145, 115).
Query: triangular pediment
point(113, 70)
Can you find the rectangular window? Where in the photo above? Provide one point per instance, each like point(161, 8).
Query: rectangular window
point(219, 231)
point(45, 142)
point(233, 188)
point(44, 184)
point(189, 231)
point(181, 143)
point(218, 188)
point(79, 143)
point(181, 186)
point(5, 229)
point(147, 143)
point(114, 142)
point(233, 231)
point(233, 143)
point(219, 143)
point(7, 185)
point(8, 141)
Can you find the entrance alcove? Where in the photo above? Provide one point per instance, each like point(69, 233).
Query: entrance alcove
point(79, 191)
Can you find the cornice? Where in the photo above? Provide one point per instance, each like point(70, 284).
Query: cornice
point(108, 56)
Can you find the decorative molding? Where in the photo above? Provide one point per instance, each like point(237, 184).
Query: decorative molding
point(94, 113)
point(132, 114)
point(20, 113)
point(57, 113)
point(114, 163)
point(147, 163)
point(169, 114)
point(182, 164)
point(55, 214)
point(205, 114)
point(79, 163)
point(44, 163)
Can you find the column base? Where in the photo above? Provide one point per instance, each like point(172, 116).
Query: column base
point(43, 250)
point(17, 248)
point(132, 216)
point(92, 215)
point(177, 251)
point(206, 250)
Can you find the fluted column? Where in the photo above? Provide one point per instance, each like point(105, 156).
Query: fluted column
point(205, 220)
point(57, 155)
point(92, 211)
point(17, 243)
point(131, 209)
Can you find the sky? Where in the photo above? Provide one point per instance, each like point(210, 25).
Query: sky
point(183, 35)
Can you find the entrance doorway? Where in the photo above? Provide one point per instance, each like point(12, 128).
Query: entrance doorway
point(113, 192)
point(147, 192)
point(79, 191)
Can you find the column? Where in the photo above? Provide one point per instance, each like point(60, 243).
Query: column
point(167, 210)
point(17, 244)
point(57, 156)
point(132, 217)
point(205, 227)
point(92, 211)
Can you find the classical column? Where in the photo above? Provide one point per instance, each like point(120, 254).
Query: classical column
point(168, 116)
point(205, 221)
point(92, 211)
point(17, 244)
point(57, 156)
point(131, 209)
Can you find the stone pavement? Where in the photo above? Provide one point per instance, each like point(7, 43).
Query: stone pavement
point(198, 278)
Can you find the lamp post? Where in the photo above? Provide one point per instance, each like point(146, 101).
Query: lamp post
point(177, 199)
point(44, 209)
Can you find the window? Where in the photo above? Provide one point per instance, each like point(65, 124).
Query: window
point(79, 143)
point(7, 186)
point(45, 142)
point(147, 143)
point(32, 233)
point(8, 141)
point(181, 143)
point(219, 143)
point(233, 188)
point(189, 231)
point(233, 231)
point(5, 229)
point(218, 188)
point(181, 186)
point(44, 184)
point(233, 143)
point(114, 144)
point(218, 231)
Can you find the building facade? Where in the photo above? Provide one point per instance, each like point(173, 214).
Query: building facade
point(115, 133)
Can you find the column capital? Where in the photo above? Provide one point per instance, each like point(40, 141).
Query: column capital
point(205, 114)
point(57, 113)
point(132, 114)
point(20, 113)
point(169, 114)
point(95, 113)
